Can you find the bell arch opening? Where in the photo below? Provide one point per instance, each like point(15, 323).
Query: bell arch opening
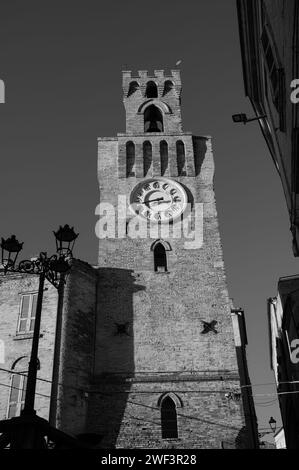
point(153, 119)
point(151, 90)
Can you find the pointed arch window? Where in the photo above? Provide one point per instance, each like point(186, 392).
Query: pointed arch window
point(153, 119)
point(134, 86)
point(160, 258)
point(147, 157)
point(130, 159)
point(181, 158)
point(168, 86)
point(163, 157)
point(151, 90)
point(169, 425)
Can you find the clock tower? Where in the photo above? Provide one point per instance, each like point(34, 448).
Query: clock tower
point(166, 367)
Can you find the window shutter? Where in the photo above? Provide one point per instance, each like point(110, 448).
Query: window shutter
point(25, 305)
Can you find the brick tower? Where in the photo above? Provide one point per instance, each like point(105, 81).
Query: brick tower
point(165, 357)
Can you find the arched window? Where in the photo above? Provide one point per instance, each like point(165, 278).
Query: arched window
point(160, 258)
point(169, 424)
point(181, 159)
point(163, 157)
point(18, 387)
point(130, 156)
point(153, 119)
point(168, 86)
point(132, 88)
point(147, 157)
point(151, 90)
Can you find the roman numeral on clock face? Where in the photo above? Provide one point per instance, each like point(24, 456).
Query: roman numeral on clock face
point(159, 200)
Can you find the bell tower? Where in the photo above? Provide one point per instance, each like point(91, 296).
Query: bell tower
point(152, 104)
point(165, 355)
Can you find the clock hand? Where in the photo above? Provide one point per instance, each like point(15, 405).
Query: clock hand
point(152, 200)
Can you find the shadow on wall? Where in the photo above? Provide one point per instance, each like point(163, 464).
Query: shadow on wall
point(114, 353)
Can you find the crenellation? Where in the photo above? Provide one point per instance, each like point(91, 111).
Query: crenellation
point(159, 74)
point(143, 74)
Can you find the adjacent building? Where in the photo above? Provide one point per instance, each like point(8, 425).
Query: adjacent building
point(283, 314)
point(143, 350)
point(66, 346)
point(269, 37)
point(279, 439)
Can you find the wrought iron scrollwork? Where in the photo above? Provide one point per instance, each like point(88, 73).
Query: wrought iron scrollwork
point(53, 267)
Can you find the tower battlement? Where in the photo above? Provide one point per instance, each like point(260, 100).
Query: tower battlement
point(164, 81)
point(175, 74)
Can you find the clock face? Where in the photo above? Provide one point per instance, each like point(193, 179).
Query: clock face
point(158, 200)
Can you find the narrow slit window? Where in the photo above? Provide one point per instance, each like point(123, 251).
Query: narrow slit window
point(163, 157)
point(130, 156)
point(147, 157)
point(181, 158)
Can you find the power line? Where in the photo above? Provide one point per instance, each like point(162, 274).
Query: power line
point(224, 390)
point(17, 388)
point(241, 386)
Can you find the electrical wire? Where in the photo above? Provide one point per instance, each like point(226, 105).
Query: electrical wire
point(17, 388)
point(227, 390)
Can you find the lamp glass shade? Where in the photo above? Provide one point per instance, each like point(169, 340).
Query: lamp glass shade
point(272, 423)
point(239, 117)
point(65, 239)
point(10, 249)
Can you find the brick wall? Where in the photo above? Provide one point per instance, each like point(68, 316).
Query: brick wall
point(71, 350)
point(162, 348)
point(12, 286)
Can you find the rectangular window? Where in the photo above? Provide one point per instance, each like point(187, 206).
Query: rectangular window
point(295, 158)
point(17, 395)
point(276, 75)
point(27, 313)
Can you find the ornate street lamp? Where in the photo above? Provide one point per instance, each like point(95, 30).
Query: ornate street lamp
point(10, 248)
point(65, 239)
point(272, 423)
point(54, 269)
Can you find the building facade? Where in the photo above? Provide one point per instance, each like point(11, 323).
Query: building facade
point(279, 439)
point(143, 350)
point(284, 353)
point(269, 37)
point(66, 346)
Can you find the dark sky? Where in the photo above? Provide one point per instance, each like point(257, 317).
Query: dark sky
point(61, 63)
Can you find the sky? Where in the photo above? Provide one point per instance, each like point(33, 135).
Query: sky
point(61, 63)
